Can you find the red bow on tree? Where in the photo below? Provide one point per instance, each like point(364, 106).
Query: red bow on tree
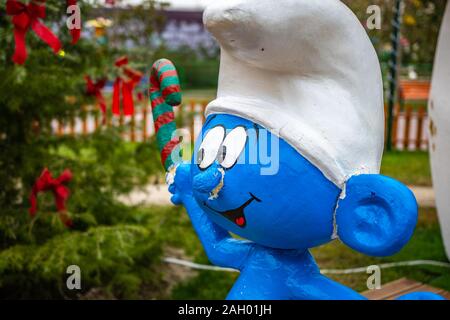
point(127, 79)
point(24, 17)
point(95, 89)
point(75, 32)
point(46, 183)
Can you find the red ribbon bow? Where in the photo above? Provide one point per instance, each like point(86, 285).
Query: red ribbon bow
point(47, 183)
point(76, 33)
point(24, 17)
point(125, 85)
point(95, 89)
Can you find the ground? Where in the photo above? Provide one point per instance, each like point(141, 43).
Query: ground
point(426, 244)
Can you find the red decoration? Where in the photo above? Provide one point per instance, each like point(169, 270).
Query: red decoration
point(76, 33)
point(47, 183)
point(124, 85)
point(26, 16)
point(95, 89)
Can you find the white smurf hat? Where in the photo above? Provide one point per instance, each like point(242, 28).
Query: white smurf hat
point(307, 71)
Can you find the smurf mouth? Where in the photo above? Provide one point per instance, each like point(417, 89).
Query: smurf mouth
point(237, 215)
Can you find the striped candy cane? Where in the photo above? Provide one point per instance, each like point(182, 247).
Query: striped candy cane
point(165, 93)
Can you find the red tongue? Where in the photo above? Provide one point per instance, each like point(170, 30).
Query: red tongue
point(240, 221)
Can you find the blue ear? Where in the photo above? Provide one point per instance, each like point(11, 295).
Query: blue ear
point(377, 216)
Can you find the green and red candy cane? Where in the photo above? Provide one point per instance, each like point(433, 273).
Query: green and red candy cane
point(165, 93)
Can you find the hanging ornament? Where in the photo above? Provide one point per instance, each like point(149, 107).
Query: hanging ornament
point(26, 16)
point(61, 192)
point(124, 85)
point(95, 89)
point(75, 31)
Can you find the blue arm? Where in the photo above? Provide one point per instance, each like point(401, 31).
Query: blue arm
point(220, 247)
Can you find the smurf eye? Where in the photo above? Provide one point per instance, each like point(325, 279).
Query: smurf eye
point(207, 153)
point(232, 147)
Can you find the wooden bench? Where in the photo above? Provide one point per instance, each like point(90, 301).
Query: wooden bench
point(395, 289)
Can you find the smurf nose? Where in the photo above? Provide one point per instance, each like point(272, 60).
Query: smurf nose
point(207, 184)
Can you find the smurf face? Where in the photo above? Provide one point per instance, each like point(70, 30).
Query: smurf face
point(235, 183)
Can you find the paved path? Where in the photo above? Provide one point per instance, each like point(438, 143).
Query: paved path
point(158, 195)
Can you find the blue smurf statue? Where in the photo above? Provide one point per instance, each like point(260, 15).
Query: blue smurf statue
point(290, 152)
